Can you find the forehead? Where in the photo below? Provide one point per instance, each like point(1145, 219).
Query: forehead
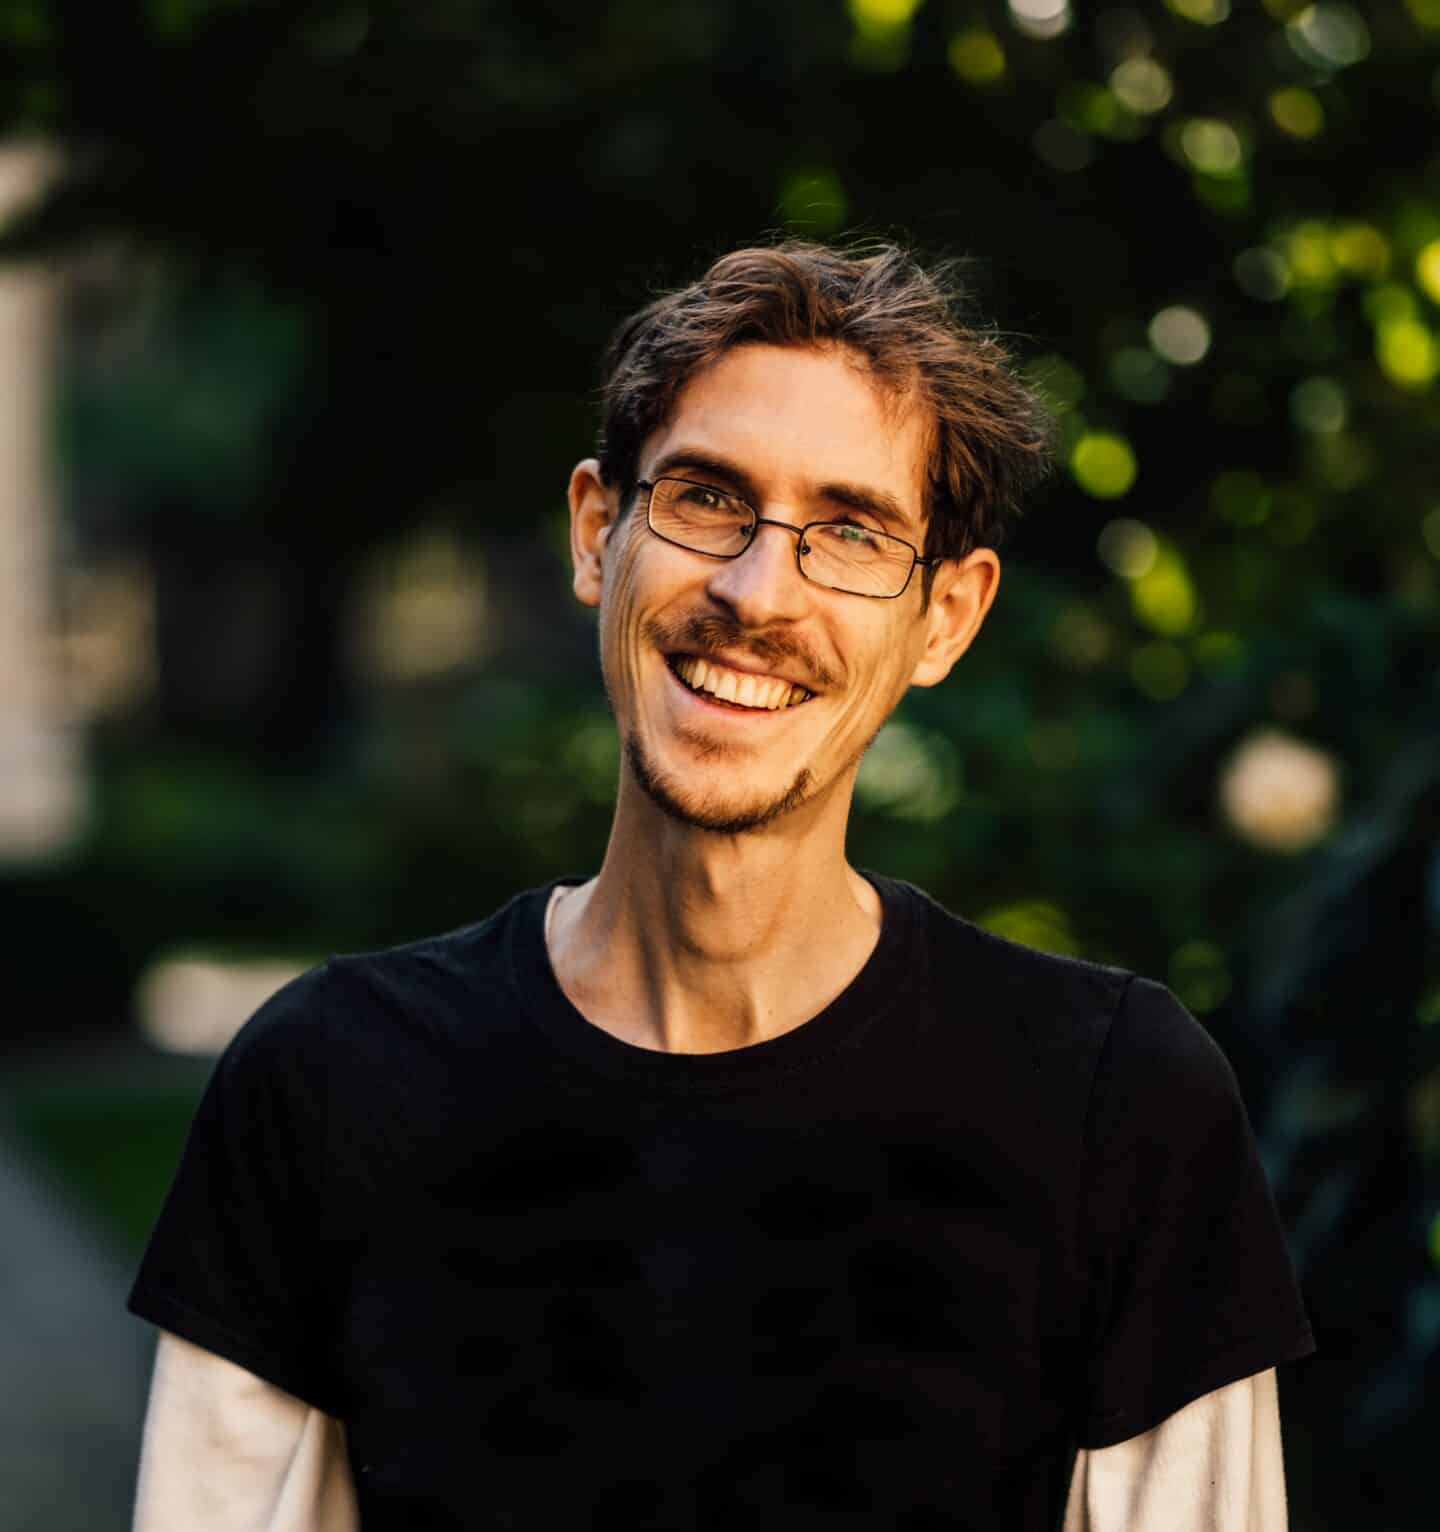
point(796, 415)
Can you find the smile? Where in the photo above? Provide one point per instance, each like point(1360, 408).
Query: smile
point(738, 688)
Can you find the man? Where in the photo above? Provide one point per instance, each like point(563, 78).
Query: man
point(733, 1182)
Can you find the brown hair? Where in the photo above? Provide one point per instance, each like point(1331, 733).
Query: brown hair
point(991, 437)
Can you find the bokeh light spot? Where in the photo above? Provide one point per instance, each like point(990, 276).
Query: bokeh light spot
point(1212, 146)
point(1164, 596)
point(1103, 465)
point(1427, 270)
point(1037, 923)
point(1390, 303)
point(1040, 18)
point(1097, 110)
point(1227, 195)
point(1138, 374)
point(1407, 353)
point(1200, 975)
point(1279, 793)
point(1205, 13)
point(591, 756)
point(1329, 35)
point(1219, 652)
point(1181, 335)
point(881, 37)
point(1309, 255)
point(909, 774)
point(1261, 273)
point(1142, 84)
point(1361, 250)
point(977, 56)
point(1128, 547)
point(195, 1002)
point(1297, 111)
point(1344, 459)
point(1080, 638)
point(1160, 670)
point(1425, 13)
point(883, 13)
point(1318, 405)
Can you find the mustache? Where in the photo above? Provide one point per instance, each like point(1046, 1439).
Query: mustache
point(713, 635)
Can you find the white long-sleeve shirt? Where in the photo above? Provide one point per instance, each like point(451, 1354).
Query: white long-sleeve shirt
point(224, 1451)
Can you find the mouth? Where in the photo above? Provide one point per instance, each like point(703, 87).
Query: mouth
point(740, 690)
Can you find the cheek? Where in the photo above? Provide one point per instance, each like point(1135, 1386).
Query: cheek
point(873, 703)
point(620, 615)
point(875, 690)
point(884, 676)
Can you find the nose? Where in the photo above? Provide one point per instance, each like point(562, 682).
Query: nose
point(764, 584)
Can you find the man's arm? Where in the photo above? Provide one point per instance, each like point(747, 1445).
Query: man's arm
point(224, 1451)
point(1213, 1466)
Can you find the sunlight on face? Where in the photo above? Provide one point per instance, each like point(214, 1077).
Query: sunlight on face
point(802, 435)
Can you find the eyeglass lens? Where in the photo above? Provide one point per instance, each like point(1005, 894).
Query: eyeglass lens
point(843, 555)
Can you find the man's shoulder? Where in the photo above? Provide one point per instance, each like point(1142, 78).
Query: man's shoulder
point(1011, 978)
point(1093, 1042)
point(452, 973)
point(1108, 1022)
point(457, 950)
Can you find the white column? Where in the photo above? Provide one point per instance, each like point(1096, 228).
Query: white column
point(42, 785)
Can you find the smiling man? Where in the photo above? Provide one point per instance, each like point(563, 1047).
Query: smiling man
point(733, 1183)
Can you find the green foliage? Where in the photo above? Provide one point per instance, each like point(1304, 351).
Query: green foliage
point(382, 246)
point(183, 399)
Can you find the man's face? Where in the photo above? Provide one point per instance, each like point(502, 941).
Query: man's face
point(803, 435)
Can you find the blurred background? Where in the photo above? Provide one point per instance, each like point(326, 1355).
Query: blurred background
point(300, 308)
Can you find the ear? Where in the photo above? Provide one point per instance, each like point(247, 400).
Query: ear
point(594, 506)
point(960, 597)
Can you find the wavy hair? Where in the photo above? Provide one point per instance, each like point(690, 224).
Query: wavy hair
point(991, 436)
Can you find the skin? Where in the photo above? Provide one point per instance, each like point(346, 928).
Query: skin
point(727, 851)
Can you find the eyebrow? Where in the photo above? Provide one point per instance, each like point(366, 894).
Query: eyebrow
point(854, 497)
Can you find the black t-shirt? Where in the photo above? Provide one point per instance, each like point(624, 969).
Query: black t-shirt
point(883, 1271)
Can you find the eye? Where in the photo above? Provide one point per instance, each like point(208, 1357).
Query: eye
point(853, 534)
point(703, 497)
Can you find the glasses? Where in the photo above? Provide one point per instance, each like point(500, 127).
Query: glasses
point(840, 555)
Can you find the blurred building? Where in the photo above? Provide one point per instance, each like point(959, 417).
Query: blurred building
point(42, 782)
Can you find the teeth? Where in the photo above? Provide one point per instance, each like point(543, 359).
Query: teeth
point(743, 689)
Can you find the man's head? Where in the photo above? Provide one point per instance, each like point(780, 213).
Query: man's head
point(798, 386)
point(988, 437)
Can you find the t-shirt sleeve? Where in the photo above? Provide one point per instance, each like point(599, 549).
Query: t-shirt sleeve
point(1192, 1285)
point(237, 1261)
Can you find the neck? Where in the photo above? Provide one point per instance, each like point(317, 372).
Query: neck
point(693, 942)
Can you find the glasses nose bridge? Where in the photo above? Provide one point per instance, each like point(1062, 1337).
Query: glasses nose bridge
point(788, 526)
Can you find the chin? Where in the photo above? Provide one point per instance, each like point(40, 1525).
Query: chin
point(717, 815)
